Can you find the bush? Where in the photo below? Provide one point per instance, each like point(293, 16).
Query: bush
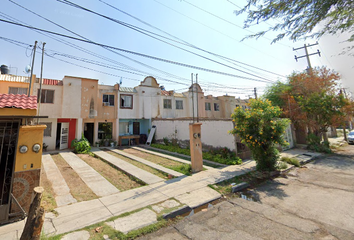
point(282, 165)
point(291, 161)
point(166, 141)
point(261, 129)
point(314, 144)
point(81, 146)
point(186, 169)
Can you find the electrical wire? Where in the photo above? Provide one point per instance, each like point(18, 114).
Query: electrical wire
point(140, 54)
point(148, 33)
point(223, 19)
point(143, 64)
point(189, 44)
point(232, 38)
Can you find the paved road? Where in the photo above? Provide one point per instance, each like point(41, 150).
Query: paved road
point(315, 202)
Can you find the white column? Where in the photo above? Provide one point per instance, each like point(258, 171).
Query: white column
point(95, 133)
point(79, 128)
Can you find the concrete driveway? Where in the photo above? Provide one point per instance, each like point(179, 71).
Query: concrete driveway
point(314, 202)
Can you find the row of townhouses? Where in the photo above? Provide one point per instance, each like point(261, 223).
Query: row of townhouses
point(77, 106)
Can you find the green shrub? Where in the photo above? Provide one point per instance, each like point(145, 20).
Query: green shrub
point(186, 169)
point(315, 144)
point(261, 129)
point(291, 161)
point(81, 146)
point(166, 141)
point(282, 165)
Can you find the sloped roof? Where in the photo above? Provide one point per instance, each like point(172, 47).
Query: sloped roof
point(18, 101)
point(127, 89)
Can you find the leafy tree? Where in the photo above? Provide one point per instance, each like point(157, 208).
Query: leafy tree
point(301, 18)
point(261, 129)
point(311, 101)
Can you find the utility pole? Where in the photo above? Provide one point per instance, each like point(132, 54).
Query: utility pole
point(196, 81)
point(34, 53)
point(255, 93)
point(192, 96)
point(40, 84)
point(307, 55)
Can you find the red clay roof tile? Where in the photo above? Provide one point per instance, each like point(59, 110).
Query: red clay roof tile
point(18, 101)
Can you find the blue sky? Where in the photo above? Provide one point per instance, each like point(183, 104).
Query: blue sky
point(209, 24)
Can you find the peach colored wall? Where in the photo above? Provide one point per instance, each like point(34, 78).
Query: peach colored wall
point(4, 86)
point(89, 92)
point(107, 112)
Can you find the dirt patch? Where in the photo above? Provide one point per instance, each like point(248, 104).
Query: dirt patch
point(78, 189)
point(168, 163)
point(140, 165)
point(119, 179)
point(48, 197)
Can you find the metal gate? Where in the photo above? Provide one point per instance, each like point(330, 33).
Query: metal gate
point(8, 141)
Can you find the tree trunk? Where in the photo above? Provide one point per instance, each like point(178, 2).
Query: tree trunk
point(35, 218)
point(345, 132)
point(325, 136)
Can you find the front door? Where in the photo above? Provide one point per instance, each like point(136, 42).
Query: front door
point(64, 136)
point(88, 132)
point(136, 128)
point(8, 146)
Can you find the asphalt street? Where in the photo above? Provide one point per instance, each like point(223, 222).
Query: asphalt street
point(312, 202)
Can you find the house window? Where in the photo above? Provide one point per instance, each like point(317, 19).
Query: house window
point(216, 106)
point(104, 130)
point(123, 128)
point(179, 104)
point(126, 101)
point(108, 100)
point(48, 130)
point(47, 96)
point(17, 90)
point(207, 106)
point(167, 103)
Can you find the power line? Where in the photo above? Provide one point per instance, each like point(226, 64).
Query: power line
point(143, 64)
point(187, 43)
point(223, 19)
point(145, 32)
point(139, 54)
point(232, 38)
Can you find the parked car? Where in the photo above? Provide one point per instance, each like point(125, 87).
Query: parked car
point(351, 137)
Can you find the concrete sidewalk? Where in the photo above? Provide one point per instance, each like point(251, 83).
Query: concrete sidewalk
point(148, 163)
point(165, 156)
point(192, 191)
point(128, 168)
point(98, 184)
point(79, 215)
point(62, 191)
